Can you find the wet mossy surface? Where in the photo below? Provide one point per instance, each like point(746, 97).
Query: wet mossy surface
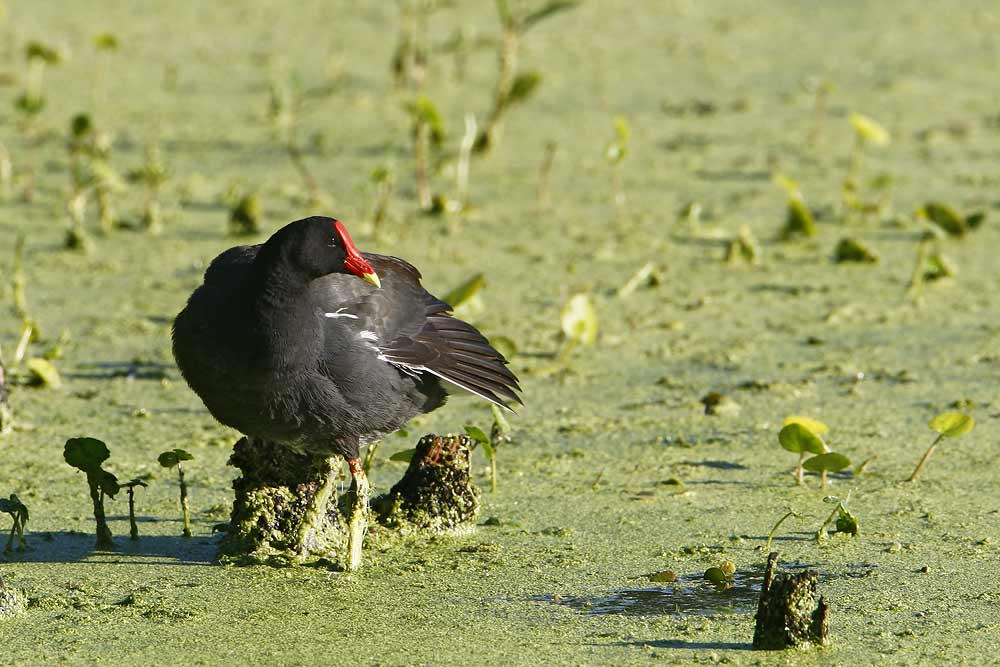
point(615, 470)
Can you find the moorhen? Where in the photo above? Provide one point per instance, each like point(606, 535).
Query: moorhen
point(306, 342)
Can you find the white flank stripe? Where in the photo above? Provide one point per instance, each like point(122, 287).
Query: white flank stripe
point(340, 313)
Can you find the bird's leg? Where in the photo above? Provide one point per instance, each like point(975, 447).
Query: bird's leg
point(358, 522)
point(316, 510)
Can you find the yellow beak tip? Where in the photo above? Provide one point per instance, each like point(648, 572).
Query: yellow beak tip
point(372, 278)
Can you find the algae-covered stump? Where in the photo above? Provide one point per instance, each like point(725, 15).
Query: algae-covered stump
point(12, 600)
point(789, 612)
point(272, 497)
point(436, 492)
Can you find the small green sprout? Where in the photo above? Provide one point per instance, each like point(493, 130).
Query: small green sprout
point(799, 220)
point(648, 275)
point(801, 435)
point(283, 112)
point(427, 132)
point(173, 459)
point(19, 514)
point(949, 221)
point(6, 413)
point(774, 529)
point(383, 179)
point(845, 521)
point(31, 102)
point(579, 323)
point(499, 434)
point(543, 193)
point(615, 153)
point(722, 576)
point(744, 247)
point(153, 174)
point(87, 455)
point(245, 215)
point(866, 131)
point(130, 489)
point(43, 373)
point(947, 425)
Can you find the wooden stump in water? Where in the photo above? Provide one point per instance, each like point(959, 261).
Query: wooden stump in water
point(789, 612)
point(436, 492)
point(272, 495)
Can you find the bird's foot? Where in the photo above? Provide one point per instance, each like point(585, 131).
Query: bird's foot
point(358, 523)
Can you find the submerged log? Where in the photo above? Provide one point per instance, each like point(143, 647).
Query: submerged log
point(789, 612)
point(436, 492)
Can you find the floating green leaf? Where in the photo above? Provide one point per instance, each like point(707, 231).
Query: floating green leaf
point(663, 577)
point(43, 373)
point(828, 462)
point(404, 455)
point(846, 522)
point(465, 291)
point(869, 130)
point(716, 575)
point(946, 218)
point(579, 320)
point(849, 250)
point(952, 424)
point(797, 438)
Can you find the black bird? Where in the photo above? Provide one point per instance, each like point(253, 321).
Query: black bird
point(307, 342)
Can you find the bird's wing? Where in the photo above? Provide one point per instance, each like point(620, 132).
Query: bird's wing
point(413, 330)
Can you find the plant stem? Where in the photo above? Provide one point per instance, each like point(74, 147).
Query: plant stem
point(421, 148)
point(300, 165)
point(822, 479)
point(18, 282)
point(799, 474)
point(464, 155)
point(104, 539)
point(184, 502)
point(542, 193)
point(6, 416)
point(923, 459)
point(133, 527)
point(6, 173)
point(10, 540)
point(493, 472)
point(821, 533)
point(370, 456)
point(774, 530)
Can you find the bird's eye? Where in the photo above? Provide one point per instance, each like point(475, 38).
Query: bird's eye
point(332, 243)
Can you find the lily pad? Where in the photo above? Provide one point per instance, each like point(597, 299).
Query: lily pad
point(171, 458)
point(797, 438)
point(86, 454)
point(952, 424)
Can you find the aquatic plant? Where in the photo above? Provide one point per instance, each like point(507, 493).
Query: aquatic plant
point(283, 113)
point(106, 44)
point(499, 434)
point(851, 250)
point(743, 247)
point(130, 487)
point(172, 459)
point(427, 131)
point(826, 462)
point(543, 194)
point(948, 220)
point(32, 100)
point(867, 132)
point(514, 87)
point(87, 455)
point(579, 324)
point(799, 220)
point(18, 512)
point(153, 174)
point(6, 173)
point(946, 425)
point(614, 153)
point(801, 435)
point(244, 214)
point(383, 179)
point(409, 59)
point(6, 413)
point(721, 576)
point(464, 159)
point(845, 521)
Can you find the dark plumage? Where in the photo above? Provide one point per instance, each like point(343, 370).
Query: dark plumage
point(285, 343)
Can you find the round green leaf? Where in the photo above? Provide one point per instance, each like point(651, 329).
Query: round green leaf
point(715, 575)
point(44, 373)
point(86, 454)
point(952, 424)
point(829, 462)
point(405, 455)
point(814, 425)
point(797, 438)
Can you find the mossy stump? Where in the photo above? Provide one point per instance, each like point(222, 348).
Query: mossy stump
point(272, 495)
point(436, 492)
point(12, 600)
point(789, 612)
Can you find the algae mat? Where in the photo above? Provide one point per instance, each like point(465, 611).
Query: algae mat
point(616, 471)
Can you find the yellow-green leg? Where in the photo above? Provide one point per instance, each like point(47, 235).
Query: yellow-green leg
point(316, 512)
point(358, 522)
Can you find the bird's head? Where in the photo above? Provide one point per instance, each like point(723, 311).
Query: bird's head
point(319, 246)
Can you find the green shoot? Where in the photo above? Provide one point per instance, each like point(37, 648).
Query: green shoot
point(19, 282)
point(543, 193)
point(946, 425)
point(579, 324)
point(647, 275)
point(949, 221)
point(427, 132)
point(6, 413)
point(799, 219)
point(801, 435)
point(846, 522)
point(87, 455)
point(744, 247)
point(130, 490)
point(464, 157)
point(615, 153)
point(173, 459)
point(382, 177)
point(244, 215)
point(19, 515)
point(774, 530)
point(826, 463)
point(722, 576)
point(867, 131)
point(32, 100)
point(283, 111)
point(514, 87)
point(850, 250)
point(6, 173)
point(153, 174)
